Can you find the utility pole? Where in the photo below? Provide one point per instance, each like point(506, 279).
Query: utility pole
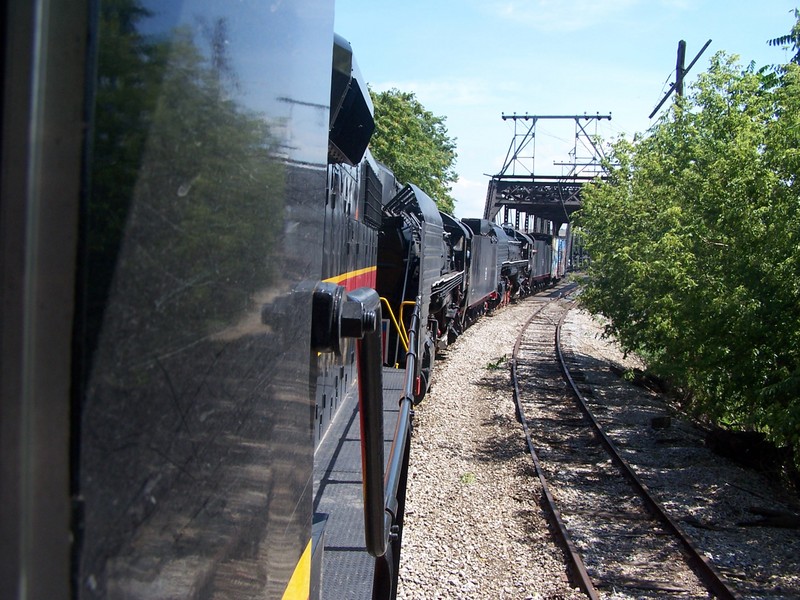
point(680, 73)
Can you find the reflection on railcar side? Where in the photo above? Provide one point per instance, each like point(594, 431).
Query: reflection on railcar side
point(194, 435)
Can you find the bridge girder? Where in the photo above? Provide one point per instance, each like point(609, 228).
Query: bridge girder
point(550, 197)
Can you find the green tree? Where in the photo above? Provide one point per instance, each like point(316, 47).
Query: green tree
point(694, 240)
point(790, 40)
point(414, 143)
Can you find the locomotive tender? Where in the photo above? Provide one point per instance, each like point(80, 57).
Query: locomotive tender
point(202, 267)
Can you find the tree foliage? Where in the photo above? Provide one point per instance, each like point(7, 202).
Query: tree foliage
point(414, 143)
point(694, 241)
point(791, 40)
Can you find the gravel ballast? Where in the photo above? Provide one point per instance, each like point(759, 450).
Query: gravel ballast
point(474, 527)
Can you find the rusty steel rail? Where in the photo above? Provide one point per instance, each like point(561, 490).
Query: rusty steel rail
point(576, 565)
point(699, 563)
point(702, 567)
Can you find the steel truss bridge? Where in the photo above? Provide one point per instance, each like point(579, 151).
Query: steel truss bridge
point(524, 195)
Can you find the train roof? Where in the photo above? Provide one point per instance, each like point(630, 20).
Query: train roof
point(479, 226)
point(451, 224)
point(499, 232)
point(517, 234)
point(351, 117)
point(413, 200)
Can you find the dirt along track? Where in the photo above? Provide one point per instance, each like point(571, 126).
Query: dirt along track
point(474, 524)
point(473, 527)
point(619, 541)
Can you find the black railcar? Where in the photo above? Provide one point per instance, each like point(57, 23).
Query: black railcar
point(521, 261)
point(181, 181)
point(484, 267)
point(193, 230)
point(413, 263)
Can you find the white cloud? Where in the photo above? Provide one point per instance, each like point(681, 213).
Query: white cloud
point(470, 197)
point(570, 15)
point(558, 15)
point(452, 92)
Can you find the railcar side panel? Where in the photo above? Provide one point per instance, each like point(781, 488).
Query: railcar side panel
point(503, 246)
point(544, 258)
point(204, 207)
point(412, 258)
point(483, 269)
point(458, 240)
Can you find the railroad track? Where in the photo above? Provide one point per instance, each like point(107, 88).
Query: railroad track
point(618, 540)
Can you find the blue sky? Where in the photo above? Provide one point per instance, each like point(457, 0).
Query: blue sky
point(472, 60)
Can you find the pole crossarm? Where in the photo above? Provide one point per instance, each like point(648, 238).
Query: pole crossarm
point(551, 197)
point(680, 74)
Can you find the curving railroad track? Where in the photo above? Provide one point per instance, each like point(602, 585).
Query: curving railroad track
point(618, 539)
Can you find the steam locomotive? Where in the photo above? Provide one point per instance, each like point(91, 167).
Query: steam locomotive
point(459, 268)
point(205, 274)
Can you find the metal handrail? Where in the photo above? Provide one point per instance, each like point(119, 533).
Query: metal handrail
point(417, 303)
point(370, 409)
point(395, 463)
point(357, 315)
point(401, 332)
